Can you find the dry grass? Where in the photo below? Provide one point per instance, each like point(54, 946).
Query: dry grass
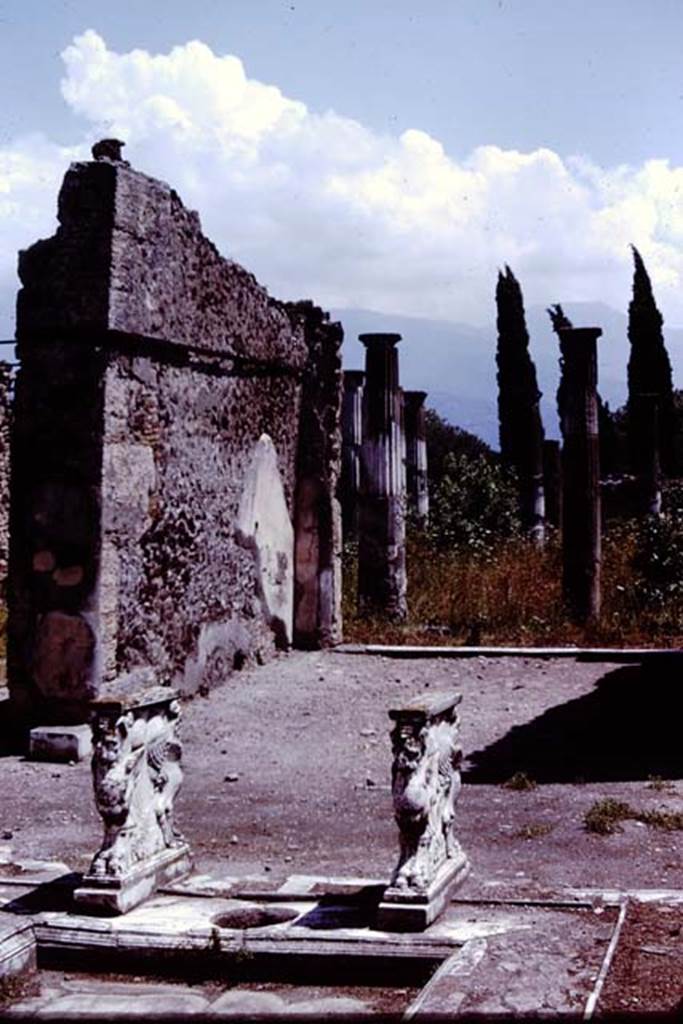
point(534, 830)
point(521, 782)
point(605, 817)
point(512, 595)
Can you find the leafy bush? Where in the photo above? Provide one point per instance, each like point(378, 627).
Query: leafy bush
point(443, 439)
point(474, 505)
point(658, 560)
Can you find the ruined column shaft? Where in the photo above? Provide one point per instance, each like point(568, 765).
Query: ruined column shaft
point(352, 439)
point(532, 491)
point(552, 482)
point(648, 455)
point(318, 515)
point(581, 542)
point(381, 542)
point(416, 453)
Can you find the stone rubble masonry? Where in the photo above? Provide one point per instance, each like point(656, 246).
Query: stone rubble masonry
point(5, 419)
point(150, 366)
point(128, 257)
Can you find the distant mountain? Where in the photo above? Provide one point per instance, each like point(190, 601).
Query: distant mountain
point(456, 363)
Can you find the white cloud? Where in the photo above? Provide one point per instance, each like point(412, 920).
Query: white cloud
point(31, 170)
point(318, 206)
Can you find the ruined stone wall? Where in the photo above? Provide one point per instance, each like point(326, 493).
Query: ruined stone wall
point(128, 257)
point(150, 369)
point(5, 420)
point(182, 593)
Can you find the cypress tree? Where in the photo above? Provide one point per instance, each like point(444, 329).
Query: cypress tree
point(610, 452)
point(519, 415)
point(559, 320)
point(649, 370)
point(609, 440)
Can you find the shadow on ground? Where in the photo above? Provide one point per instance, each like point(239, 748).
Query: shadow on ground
point(55, 895)
point(627, 729)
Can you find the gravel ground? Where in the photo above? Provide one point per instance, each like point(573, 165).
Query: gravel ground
point(647, 971)
point(287, 769)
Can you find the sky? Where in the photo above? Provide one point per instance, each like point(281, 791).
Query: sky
point(382, 155)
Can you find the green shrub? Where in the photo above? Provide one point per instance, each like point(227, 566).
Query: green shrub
point(658, 560)
point(474, 505)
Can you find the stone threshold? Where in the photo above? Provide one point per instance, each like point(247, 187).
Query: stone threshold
point(186, 925)
point(626, 654)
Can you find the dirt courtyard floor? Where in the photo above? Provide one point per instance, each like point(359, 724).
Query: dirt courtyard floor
point(287, 769)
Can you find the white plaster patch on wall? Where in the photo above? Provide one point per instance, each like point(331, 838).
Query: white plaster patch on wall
point(108, 607)
point(129, 477)
point(263, 525)
point(218, 647)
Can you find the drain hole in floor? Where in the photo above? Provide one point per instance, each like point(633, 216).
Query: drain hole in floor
point(254, 917)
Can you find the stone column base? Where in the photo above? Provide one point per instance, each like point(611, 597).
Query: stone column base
point(408, 910)
point(109, 895)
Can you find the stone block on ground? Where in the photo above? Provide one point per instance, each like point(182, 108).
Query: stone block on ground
point(413, 911)
point(60, 743)
point(110, 1006)
point(101, 895)
point(248, 1004)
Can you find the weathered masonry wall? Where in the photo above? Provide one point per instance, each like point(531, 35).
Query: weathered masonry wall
point(152, 523)
point(5, 421)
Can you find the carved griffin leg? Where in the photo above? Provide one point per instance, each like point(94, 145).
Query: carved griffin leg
point(167, 775)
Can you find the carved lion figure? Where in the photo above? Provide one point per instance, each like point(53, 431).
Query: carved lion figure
point(136, 774)
point(425, 786)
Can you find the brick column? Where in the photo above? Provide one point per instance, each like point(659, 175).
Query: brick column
point(381, 542)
